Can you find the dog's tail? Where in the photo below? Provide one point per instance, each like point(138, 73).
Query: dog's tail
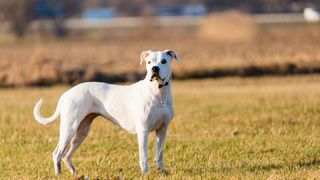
point(48, 120)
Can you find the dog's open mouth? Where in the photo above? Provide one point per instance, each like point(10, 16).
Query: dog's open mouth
point(156, 76)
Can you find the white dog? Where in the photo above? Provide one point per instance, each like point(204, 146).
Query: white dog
point(138, 108)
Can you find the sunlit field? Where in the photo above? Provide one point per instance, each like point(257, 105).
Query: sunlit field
point(246, 100)
point(248, 128)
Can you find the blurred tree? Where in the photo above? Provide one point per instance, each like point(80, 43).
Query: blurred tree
point(18, 13)
point(58, 11)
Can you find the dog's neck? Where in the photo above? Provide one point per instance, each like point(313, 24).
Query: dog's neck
point(160, 91)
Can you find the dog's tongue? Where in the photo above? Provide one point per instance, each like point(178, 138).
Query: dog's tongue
point(154, 77)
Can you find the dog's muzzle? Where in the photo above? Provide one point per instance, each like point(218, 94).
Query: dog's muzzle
point(161, 82)
point(155, 74)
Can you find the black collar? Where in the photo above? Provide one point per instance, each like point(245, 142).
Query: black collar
point(165, 84)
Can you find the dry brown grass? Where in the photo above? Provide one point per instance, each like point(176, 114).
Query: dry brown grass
point(231, 26)
point(281, 49)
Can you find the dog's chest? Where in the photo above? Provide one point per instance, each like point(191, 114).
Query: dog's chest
point(158, 115)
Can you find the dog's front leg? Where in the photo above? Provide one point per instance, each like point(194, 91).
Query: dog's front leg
point(160, 138)
point(143, 150)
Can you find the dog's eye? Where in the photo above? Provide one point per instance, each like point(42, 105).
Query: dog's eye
point(163, 61)
point(149, 62)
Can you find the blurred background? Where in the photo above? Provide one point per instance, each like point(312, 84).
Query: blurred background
point(48, 42)
point(246, 93)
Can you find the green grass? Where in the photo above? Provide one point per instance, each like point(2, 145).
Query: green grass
point(254, 128)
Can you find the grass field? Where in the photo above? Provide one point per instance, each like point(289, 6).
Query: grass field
point(249, 128)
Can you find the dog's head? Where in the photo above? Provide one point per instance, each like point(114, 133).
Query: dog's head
point(158, 64)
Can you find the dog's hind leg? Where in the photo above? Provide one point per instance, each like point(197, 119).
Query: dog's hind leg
point(68, 127)
point(57, 165)
point(64, 140)
point(78, 138)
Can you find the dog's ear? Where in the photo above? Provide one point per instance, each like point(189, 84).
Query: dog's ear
point(144, 55)
point(173, 54)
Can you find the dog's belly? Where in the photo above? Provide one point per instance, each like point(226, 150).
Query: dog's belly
point(118, 117)
point(131, 129)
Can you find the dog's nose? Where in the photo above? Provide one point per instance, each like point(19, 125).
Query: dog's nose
point(155, 69)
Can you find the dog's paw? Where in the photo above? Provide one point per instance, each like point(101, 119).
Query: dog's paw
point(144, 171)
point(82, 177)
point(163, 171)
